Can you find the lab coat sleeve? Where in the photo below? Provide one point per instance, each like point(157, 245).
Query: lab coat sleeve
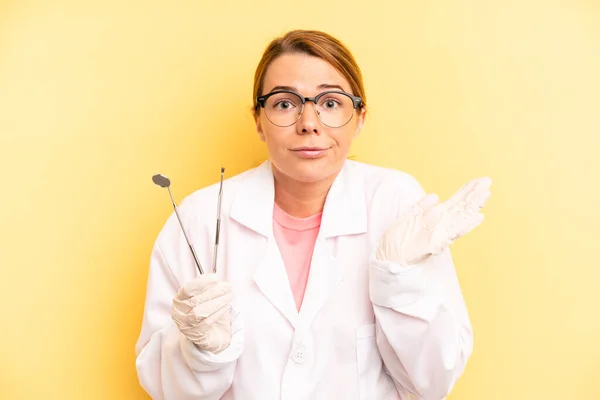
point(423, 329)
point(169, 366)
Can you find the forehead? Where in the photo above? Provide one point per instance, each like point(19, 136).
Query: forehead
point(304, 72)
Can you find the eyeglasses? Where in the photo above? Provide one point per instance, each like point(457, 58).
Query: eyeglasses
point(334, 108)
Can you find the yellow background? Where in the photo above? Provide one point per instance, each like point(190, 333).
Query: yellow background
point(97, 96)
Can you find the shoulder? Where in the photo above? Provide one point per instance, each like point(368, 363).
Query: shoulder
point(387, 182)
point(388, 193)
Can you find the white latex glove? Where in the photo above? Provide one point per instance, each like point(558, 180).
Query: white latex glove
point(201, 310)
point(429, 227)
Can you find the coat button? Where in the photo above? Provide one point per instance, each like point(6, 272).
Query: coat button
point(299, 354)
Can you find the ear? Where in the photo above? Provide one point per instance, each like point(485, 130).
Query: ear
point(361, 121)
point(261, 134)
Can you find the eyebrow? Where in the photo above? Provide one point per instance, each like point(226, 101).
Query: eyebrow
point(294, 89)
point(291, 88)
point(328, 86)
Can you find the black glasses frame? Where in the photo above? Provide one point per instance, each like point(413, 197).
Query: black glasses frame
point(262, 100)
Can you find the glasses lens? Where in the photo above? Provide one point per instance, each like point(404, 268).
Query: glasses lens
point(335, 109)
point(283, 109)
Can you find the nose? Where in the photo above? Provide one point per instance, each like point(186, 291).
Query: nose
point(309, 120)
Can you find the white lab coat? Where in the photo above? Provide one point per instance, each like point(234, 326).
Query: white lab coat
point(366, 329)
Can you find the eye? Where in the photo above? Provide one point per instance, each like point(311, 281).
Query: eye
point(330, 103)
point(284, 102)
point(283, 105)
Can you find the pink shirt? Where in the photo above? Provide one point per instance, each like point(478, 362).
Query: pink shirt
point(296, 239)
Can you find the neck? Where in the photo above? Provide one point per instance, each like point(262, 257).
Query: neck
point(301, 199)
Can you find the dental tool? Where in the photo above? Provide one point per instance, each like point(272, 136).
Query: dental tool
point(164, 182)
point(218, 229)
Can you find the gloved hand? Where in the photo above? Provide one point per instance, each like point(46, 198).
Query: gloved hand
point(429, 227)
point(201, 311)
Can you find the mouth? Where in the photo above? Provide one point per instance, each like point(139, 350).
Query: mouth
point(310, 152)
point(308, 148)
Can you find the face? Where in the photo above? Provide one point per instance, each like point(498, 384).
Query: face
point(307, 151)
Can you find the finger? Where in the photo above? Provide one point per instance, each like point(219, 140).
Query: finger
point(182, 306)
point(481, 188)
point(218, 314)
point(461, 194)
point(485, 182)
point(422, 206)
point(198, 285)
point(428, 201)
point(180, 314)
point(464, 226)
point(482, 198)
point(472, 197)
point(217, 290)
point(204, 310)
point(433, 216)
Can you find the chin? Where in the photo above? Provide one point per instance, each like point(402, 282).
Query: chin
point(310, 172)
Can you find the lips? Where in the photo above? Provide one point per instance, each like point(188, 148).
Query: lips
point(310, 152)
point(309, 149)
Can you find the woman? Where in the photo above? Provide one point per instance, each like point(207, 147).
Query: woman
point(334, 280)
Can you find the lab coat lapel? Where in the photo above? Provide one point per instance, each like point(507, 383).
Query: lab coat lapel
point(253, 205)
point(272, 280)
point(253, 208)
point(345, 213)
point(324, 276)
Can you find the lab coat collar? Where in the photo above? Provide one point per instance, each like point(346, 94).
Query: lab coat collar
point(345, 211)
